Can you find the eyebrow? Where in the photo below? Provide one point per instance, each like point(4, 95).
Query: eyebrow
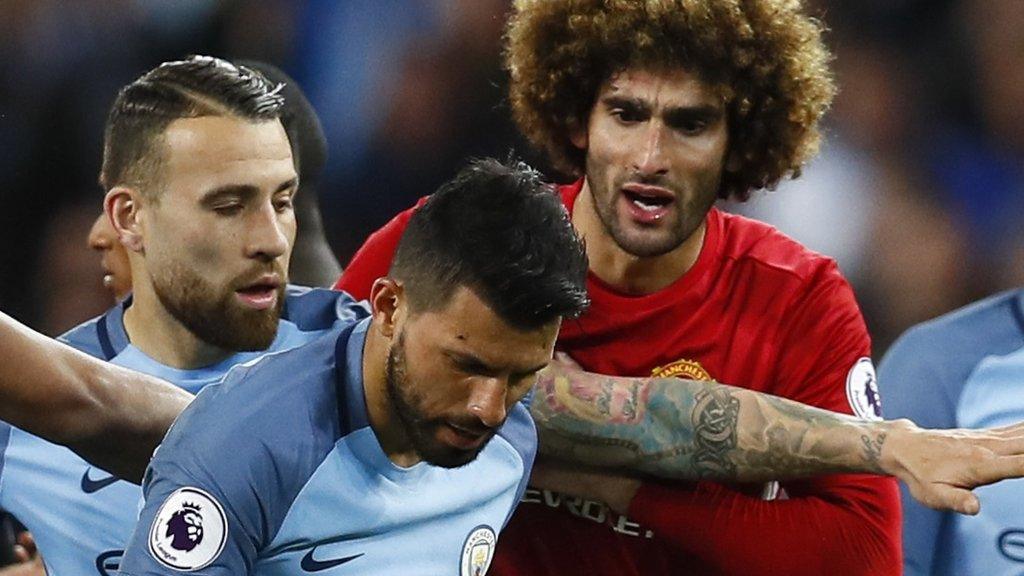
point(673, 115)
point(614, 101)
point(470, 360)
point(243, 191)
point(705, 113)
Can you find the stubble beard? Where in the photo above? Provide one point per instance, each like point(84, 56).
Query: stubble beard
point(649, 244)
point(418, 427)
point(215, 319)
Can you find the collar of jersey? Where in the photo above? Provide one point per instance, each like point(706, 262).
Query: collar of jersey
point(362, 440)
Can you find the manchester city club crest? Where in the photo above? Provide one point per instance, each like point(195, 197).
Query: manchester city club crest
point(189, 531)
point(478, 551)
point(862, 390)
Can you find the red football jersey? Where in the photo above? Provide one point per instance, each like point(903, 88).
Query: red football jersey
point(756, 310)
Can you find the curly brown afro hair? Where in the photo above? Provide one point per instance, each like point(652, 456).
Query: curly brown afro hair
point(765, 57)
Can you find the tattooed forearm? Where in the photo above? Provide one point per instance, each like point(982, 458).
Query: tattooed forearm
point(715, 417)
point(873, 447)
point(687, 429)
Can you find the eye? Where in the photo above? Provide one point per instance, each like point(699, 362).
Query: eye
point(228, 209)
point(627, 115)
point(692, 127)
point(283, 203)
point(467, 367)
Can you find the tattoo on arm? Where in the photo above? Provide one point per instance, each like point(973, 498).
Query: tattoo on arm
point(873, 447)
point(715, 417)
point(685, 429)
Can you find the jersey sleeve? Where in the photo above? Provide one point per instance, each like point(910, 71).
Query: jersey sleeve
point(222, 482)
point(521, 432)
point(5, 438)
point(909, 376)
point(842, 524)
point(196, 519)
point(373, 259)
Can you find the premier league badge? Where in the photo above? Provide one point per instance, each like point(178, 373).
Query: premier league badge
point(862, 390)
point(189, 531)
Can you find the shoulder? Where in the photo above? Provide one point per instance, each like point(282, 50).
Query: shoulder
point(569, 193)
point(953, 344)
point(312, 309)
point(520, 432)
point(802, 283)
point(253, 441)
point(391, 232)
point(373, 259)
point(278, 412)
point(102, 337)
point(774, 253)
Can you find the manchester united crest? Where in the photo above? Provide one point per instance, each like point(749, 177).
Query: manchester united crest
point(686, 369)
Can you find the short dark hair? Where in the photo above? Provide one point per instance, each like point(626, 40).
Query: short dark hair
point(190, 88)
point(500, 231)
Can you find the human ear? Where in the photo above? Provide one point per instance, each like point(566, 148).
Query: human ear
point(123, 208)
point(388, 301)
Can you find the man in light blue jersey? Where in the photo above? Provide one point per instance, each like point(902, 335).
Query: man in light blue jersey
point(200, 180)
point(964, 369)
point(397, 445)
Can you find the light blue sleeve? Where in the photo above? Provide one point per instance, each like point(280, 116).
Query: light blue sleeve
point(232, 464)
point(922, 378)
point(321, 309)
point(521, 432)
point(183, 484)
point(909, 381)
point(5, 438)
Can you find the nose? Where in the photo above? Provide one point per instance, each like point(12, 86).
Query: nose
point(270, 233)
point(101, 235)
point(651, 159)
point(487, 401)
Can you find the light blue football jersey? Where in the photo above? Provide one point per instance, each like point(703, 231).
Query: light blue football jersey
point(964, 369)
point(292, 480)
point(82, 516)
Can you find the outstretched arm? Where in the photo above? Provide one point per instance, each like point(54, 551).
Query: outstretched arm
point(685, 429)
point(111, 416)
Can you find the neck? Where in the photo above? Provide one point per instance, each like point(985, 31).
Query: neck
point(621, 270)
point(158, 334)
point(383, 420)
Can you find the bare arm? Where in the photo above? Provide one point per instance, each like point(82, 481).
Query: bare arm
point(685, 429)
point(111, 416)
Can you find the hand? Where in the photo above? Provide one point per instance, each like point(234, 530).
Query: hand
point(25, 550)
point(30, 563)
point(941, 467)
point(615, 491)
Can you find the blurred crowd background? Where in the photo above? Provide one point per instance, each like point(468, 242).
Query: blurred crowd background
point(918, 191)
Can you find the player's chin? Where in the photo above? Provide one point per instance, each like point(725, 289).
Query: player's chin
point(647, 243)
point(447, 455)
point(254, 330)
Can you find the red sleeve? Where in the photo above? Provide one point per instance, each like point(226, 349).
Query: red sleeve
point(838, 525)
point(373, 259)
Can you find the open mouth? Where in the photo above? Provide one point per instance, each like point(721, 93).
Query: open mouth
point(647, 203)
point(259, 295)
